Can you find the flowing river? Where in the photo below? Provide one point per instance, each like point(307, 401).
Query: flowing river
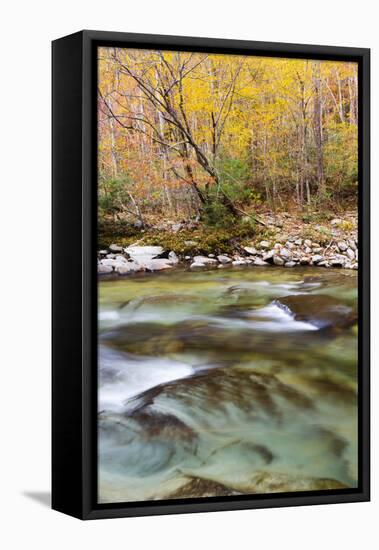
point(227, 381)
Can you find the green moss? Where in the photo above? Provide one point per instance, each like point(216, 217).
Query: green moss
point(201, 240)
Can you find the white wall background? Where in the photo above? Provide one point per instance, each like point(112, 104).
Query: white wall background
point(26, 31)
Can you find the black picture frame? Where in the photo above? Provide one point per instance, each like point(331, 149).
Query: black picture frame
point(74, 298)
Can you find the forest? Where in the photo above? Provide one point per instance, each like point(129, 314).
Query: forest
point(221, 139)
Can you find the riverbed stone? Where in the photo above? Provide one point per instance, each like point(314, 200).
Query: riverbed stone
point(304, 260)
point(142, 253)
point(101, 268)
point(204, 260)
point(268, 256)
point(278, 260)
point(128, 267)
point(224, 259)
point(264, 244)
point(250, 250)
point(238, 262)
point(115, 248)
point(290, 264)
point(350, 254)
point(285, 254)
point(108, 261)
point(259, 262)
point(197, 265)
point(173, 257)
point(342, 246)
point(352, 244)
point(317, 258)
point(322, 311)
point(156, 264)
point(308, 243)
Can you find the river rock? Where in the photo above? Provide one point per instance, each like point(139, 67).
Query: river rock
point(115, 248)
point(308, 250)
point(299, 242)
point(350, 254)
point(264, 244)
point(268, 256)
point(103, 252)
point(317, 259)
point(173, 257)
point(278, 260)
point(142, 253)
point(121, 259)
point(224, 259)
point(307, 243)
point(204, 260)
point(338, 261)
point(108, 261)
point(122, 268)
point(211, 256)
point(342, 246)
point(250, 250)
point(320, 310)
point(273, 482)
point(238, 262)
point(352, 244)
point(104, 268)
point(285, 254)
point(156, 264)
point(259, 262)
point(290, 264)
point(197, 265)
point(304, 260)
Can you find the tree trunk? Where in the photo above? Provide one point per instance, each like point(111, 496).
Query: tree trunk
point(317, 123)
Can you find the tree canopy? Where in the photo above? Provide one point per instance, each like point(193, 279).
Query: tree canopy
point(201, 135)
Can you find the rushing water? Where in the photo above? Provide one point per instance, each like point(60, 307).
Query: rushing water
point(227, 381)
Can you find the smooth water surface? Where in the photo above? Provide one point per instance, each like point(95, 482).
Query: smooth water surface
point(227, 381)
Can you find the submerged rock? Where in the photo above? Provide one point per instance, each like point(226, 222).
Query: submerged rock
point(198, 487)
point(319, 310)
point(272, 482)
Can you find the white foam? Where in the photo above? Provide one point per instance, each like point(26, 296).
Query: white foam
point(125, 376)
